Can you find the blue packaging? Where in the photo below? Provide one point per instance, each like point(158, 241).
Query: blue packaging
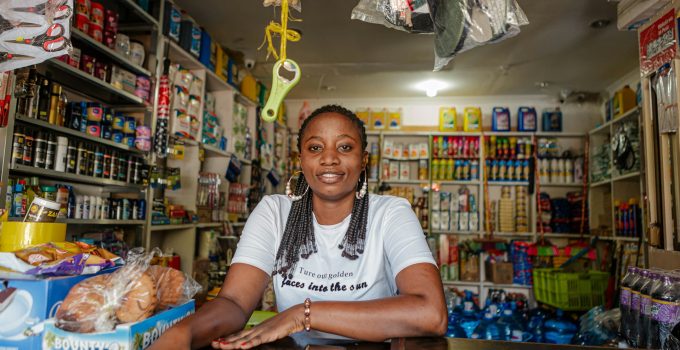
point(128, 336)
point(141, 211)
point(34, 301)
point(173, 18)
point(83, 116)
point(208, 54)
point(500, 120)
point(552, 120)
point(527, 119)
point(190, 37)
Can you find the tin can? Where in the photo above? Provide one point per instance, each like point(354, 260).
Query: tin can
point(94, 129)
point(130, 125)
point(94, 112)
point(118, 121)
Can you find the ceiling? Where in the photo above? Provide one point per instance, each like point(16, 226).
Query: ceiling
point(344, 58)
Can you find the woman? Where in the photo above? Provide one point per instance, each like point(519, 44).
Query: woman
point(345, 264)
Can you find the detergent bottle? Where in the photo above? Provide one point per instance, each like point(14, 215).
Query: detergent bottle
point(447, 119)
point(526, 119)
point(472, 119)
point(500, 119)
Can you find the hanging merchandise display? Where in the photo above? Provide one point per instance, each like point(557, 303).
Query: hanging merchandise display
point(162, 119)
point(458, 25)
point(281, 86)
point(32, 34)
point(667, 103)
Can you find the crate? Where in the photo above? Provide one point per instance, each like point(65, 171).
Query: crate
point(570, 291)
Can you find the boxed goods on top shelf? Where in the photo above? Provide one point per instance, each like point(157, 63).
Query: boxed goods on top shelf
point(380, 118)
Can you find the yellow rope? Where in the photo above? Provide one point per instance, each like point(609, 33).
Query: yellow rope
point(280, 28)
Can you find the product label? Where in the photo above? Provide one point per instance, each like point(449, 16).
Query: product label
point(657, 43)
point(635, 301)
point(625, 296)
point(646, 305)
point(665, 311)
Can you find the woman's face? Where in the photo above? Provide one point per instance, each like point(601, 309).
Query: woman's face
point(331, 157)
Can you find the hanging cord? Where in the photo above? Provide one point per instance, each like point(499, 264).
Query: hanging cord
point(280, 29)
point(584, 191)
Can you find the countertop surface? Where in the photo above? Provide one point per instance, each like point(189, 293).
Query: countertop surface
point(431, 343)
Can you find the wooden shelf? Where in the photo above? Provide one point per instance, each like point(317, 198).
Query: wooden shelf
point(157, 228)
point(626, 176)
point(212, 151)
point(82, 179)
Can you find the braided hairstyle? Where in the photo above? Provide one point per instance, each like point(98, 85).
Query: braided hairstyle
point(298, 237)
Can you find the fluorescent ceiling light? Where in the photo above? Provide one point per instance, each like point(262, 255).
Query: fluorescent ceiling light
point(431, 87)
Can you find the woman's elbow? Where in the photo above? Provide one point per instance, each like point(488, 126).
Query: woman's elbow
point(440, 321)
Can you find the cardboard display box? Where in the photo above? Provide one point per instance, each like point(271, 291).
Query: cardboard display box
point(34, 301)
point(139, 335)
point(499, 273)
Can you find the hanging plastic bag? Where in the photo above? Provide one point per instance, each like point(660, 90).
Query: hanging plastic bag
point(408, 15)
point(461, 25)
point(33, 31)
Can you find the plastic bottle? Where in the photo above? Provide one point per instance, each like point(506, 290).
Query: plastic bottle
point(469, 320)
point(487, 329)
point(559, 330)
point(18, 201)
point(635, 307)
point(665, 311)
point(537, 318)
point(72, 206)
point(435, 147)
point(625, 298)
point(646, 307)
point(512, 326)
point(454, 330)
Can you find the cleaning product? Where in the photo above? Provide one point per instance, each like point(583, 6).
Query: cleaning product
point(527, 119)
point(623, 101)
point(552, 120)
point(500, 119)
point(447, 119)
point(472, 119)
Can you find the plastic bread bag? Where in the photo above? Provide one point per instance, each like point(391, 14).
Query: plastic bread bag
point(407, 15)
point(174, 287)
point(461, 25)
point(296, 4)
point(99, 303)
point(32, 31)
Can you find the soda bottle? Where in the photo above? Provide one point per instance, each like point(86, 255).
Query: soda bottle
point(665, 312)
point(624, 299)
point(635, 308)
point(646, 307)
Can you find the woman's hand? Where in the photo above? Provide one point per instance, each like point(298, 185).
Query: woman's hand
point(278, 327)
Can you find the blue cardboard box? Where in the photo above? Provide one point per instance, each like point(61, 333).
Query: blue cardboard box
point(129, 336)
point(34, 301)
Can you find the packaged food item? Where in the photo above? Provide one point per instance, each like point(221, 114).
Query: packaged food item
point(42, 210)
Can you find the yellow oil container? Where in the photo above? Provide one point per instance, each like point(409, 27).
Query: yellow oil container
point(472, 119)
point(249, 87)
point(19, 235)
point(623, 101)
point(447, 119)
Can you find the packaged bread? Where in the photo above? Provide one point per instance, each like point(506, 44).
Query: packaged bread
point(173, 286)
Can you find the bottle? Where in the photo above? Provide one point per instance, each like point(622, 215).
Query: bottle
point(79, 207)
point(435, 147)
point(18, 146)
point(71, 157)
point(28, 148)
point(19, 200)
point(665, 306)
point(469, 310)
point(62, 199)
point(33, 190)
point(635, 307)
point(454, 330)
point(634, 217)
point(98, 162)
point(44, 100)
point(61, 109)
point(646, 307)
point(26, 96)
point(81, 168)
point(625, 298)
point(537, 319)
point(87, 206)
point(510, 326)
point(61, 154)
point(39, 150)
point(90, 160)
point(53, 115)
point(569, 171)
point(50, 155)
point(559, 330)
point(487, 329)
point(72, 203)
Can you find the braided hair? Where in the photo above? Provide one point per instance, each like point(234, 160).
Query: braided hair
point(298, 237)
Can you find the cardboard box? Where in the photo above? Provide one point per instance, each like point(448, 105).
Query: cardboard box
point(33, 302)
point(500, 272)
point(139, 335)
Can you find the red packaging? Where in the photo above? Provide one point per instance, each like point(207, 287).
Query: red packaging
point(175, 262)
point(74, 58)
point(87, 63)
point(63, 58)
point(111, 21)
point(96, 32)
point(101, 70)
point(83, 23)
point(110, 40)
point(83, 8)
point(97, 14)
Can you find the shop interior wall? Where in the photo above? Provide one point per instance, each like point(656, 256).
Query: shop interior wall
point(578, 117)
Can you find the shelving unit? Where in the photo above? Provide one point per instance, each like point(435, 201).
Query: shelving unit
point(112, 54)
point(80, 179)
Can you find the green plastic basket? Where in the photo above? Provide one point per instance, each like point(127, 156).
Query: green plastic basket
point(570, 291)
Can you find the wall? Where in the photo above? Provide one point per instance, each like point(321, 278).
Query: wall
point(425, 111)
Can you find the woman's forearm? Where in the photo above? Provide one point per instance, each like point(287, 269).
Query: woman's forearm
point(381, 319)
point(216, 318)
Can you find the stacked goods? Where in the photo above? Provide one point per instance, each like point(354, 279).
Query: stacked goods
point(506, 211)
point(455, 212)
point(398, 158)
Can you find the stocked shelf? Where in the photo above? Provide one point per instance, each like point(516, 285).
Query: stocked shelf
point(407, 182)
point(92, 86)
point(561, 185)
point(627, 176)
point(111, 54)
point(508, 183)
point(600, 183)
point(461, 283)
point(560, 134)
point(101, 222)
point(139, 12)
point(513, 234)
point(605, 126)
point(457, 182)
point(212, 151)
point(509, 133)
point(209, 224)
point(81, 135)
point(172, 227)
point(487, 284)
point(82, 179)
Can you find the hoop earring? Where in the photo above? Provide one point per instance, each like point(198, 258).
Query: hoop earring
point(364, 188)
point(290, 193)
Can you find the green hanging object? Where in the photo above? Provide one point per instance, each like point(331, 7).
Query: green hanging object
point(280, 88)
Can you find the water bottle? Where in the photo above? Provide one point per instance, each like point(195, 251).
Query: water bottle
point(469, 321)
point(634, 331)
point(487, 329)
point(665, 312)
point(454, 330)
point(646, 307)
point(537, 318)
point(624, 299)
point(559, 330)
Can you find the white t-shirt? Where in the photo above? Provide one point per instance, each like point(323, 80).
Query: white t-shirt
point(394, 241)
